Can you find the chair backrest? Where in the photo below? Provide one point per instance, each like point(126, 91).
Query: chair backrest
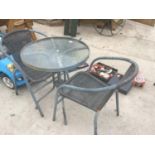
point(15, 40)
point(12, 43)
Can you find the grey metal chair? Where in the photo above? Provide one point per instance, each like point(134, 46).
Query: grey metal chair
point(87, 90)
point(13, 43)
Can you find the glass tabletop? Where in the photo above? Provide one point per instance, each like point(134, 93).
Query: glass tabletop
point(55, 54)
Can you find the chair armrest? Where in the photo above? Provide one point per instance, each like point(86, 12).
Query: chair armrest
point(126, 87)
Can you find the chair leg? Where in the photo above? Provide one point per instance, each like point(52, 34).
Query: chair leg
point(55, 107)
point(117, 103)
point(35, 100)
point(95, 123)
point(16, 90)
point(64, 112)
point(37, 105)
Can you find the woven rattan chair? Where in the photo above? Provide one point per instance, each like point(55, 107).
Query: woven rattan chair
point(13, 43)
point(85, 89)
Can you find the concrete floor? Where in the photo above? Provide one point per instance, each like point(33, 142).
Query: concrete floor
point(137, 109)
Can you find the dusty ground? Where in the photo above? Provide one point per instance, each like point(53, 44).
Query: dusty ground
point(137, 109)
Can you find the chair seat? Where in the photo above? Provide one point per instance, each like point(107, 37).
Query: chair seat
point(95, 100)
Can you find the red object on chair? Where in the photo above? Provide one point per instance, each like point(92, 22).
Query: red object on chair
point(102, 71)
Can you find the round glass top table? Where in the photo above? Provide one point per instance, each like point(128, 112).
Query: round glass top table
point(55, 54)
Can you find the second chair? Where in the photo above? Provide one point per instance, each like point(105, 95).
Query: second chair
point(90, 92)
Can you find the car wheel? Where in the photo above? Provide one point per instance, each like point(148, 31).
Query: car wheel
point(8, 82)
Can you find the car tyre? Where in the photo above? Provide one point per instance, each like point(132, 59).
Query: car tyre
point(8, 82)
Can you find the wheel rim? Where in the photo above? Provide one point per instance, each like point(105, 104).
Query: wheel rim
point(7, 81)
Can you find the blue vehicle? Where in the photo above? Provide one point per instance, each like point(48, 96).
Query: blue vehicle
point(8, 72)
